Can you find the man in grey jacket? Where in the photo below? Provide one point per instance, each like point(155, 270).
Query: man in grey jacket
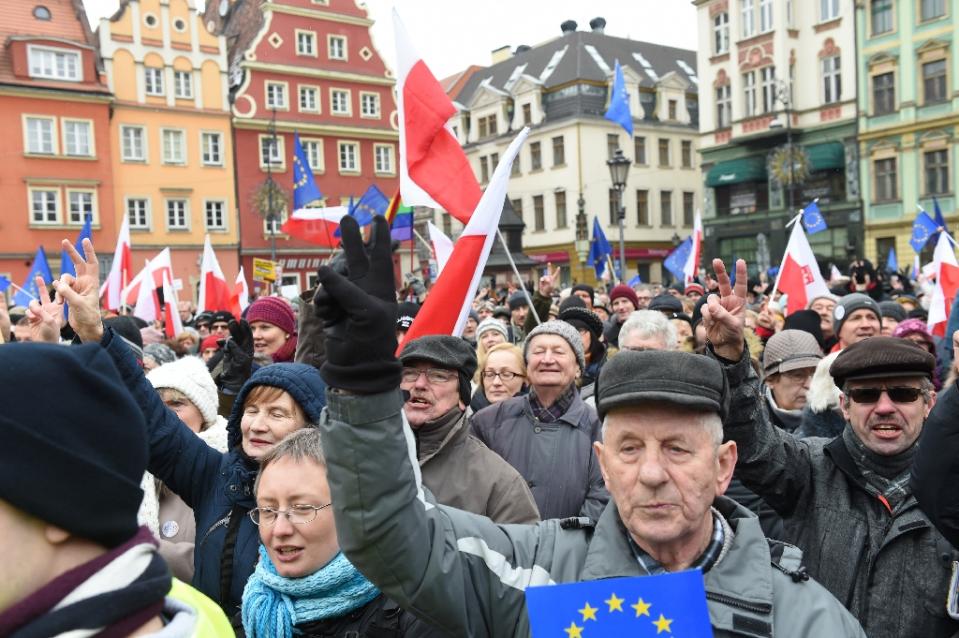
point(663, 462)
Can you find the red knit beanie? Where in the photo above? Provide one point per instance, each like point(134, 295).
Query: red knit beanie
point(622, 290)
point(272, 310)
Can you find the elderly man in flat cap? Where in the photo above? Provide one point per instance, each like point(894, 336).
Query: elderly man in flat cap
point(662, 458)
point(846, 502)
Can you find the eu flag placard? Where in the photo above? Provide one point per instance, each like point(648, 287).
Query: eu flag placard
point(667, 605)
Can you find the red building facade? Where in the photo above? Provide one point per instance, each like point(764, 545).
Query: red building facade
point(307, 67)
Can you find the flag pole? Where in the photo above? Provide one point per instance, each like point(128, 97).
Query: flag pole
point(429, 247)
point(529, 300)
point(26, 292)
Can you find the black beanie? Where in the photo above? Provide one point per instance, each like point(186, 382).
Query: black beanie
point(75, 458)
point(585, 288)
point(807, 321)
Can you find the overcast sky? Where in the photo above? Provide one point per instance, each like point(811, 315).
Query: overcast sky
point(452, 34)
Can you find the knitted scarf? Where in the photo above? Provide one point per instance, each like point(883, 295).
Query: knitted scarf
point(887, 475)
point(273, 605)
point(286, 352)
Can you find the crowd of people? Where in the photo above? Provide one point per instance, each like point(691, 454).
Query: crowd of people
point(305, 469)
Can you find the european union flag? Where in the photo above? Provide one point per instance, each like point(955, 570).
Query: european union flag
point(662, 605)
point(635, 281)
point(66, 264)
point(922, 230)
point(812, 218)
point(373, 202)
point(599, 249)
point(4, 283)
point(618, 110)
point(892, 264)
point(40, 268)
point(675, 262)
point(938, 218)
point(305, 190)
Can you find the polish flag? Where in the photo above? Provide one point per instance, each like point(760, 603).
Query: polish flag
point(691, 268)
point(214, 291)
point(120, 270)
point(316, 225)
point(799, 275)
point(172, 324)
point(240, 297)
point(434, 170)
point(451, 297)
point(147, 305)
point(157, 267)
point(442, 247)
point(947, 282)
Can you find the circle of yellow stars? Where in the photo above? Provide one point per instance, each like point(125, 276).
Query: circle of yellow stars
point(614, 604)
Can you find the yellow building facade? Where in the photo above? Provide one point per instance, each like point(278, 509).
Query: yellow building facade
point(172, 146)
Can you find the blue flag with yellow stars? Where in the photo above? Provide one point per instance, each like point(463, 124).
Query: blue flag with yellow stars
point(305, 190)
point(812, 218)
point(923, 228)
point(618, 110)
point(667, 605)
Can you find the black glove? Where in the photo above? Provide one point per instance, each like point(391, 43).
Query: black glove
point(359, 313)
point(237, 357)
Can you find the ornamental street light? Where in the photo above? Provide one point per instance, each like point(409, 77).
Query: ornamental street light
point(783, 95)
point(581, 244)
point(618, 171)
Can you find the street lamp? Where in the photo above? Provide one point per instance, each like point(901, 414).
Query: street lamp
point(784, 96)
point(581, 244)
point(618, 170)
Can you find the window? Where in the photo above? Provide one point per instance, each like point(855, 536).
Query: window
point(749, 93)
point(721, 33)
point(768, 76)
point(887, 182)
point(174, 146)
point(45, 206)
point(179, 25)
point(666, 208)
point(881, 16)
point(687, 154)
point(133, 143)
point(687, 208)
point(484, 169)
point(183, 84)
point(671, 109)
point(560, 200)
point(613, 207)
point(276, 95)
point(40, 12)
point(369, 104)
point(340, 102)
point(383, 158)
point(612, 145)
point(527, 114)
point(79, 205)
point(153, 80)
point(274, 225)
point(336, 46)
point(642, 207)
point(212, 145)
point(535, 156)
point(271, 152)
point(765, 15)
point(313, 149)
point(937, 172)
point(559, 151)
point(306, 43)
point(517, 205)
point(828, 10)
point(724, 107)
point(934, 81)
point(664, 152)
point(515, 168)
point(214, 214)
point(77, 138)
point(493, 162)
point(176, 215)
point(883, 93)
point(54, 64)
point(40, 136)
point(831, 80)
point(931, 9)
point(639, 150)
point(749, 18)
point(150, 20)
point(349, 153)
point(309, 99)
point(138, 212)
point(539, 218)
point(487, 126)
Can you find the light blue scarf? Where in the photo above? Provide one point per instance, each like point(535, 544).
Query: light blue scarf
point(273, 605)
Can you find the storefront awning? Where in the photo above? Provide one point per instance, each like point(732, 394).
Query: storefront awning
point(743, 169)
point(824, 157)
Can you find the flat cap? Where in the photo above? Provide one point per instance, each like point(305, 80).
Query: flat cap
point(881, 357)
point(686, 380)
point(452, 353)
point(791, 350)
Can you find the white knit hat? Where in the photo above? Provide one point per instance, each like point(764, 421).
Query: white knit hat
point(491, 323)
point(190, 376)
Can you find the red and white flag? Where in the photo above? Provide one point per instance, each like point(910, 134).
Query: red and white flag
point(691, 268)
point(172, 324)
point(434, 170)
point(947, 282)
point(451, 297)
point(240, 297)
point(316, 225)
point(214, 291)
point(799, 275)
point(442, 247)
point(147, 305)
point(157, 267)
point(120, 270)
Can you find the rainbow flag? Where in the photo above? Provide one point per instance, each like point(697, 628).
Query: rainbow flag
point(400, 218)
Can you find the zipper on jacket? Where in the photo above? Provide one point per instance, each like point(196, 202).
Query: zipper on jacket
point(756, 608)
point(223, 521)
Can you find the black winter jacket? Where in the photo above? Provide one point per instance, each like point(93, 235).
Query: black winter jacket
point(935, 472)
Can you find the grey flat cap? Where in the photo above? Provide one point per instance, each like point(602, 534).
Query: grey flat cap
point(445, 351)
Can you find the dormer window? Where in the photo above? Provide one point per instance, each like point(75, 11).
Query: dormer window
point(54, 64)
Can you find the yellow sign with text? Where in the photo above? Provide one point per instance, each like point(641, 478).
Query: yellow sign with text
point(264, 270)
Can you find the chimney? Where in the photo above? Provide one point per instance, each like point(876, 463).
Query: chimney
point(598, 25)
point(501, 53)
point(523, 48)
point(568, 27)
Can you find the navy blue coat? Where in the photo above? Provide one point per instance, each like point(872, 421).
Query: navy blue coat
point(211, 482)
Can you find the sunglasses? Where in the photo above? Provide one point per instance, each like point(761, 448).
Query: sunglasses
point(896, 395)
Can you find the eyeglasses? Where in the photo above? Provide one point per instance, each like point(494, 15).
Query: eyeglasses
point(505, 375)
point(896, 395)
point(435, 376)
point(298, 514)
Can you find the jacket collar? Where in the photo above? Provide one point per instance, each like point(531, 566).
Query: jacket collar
point(432, 437)
point(572, 417)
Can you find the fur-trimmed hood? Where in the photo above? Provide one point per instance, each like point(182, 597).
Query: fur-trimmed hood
point(823, 394)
